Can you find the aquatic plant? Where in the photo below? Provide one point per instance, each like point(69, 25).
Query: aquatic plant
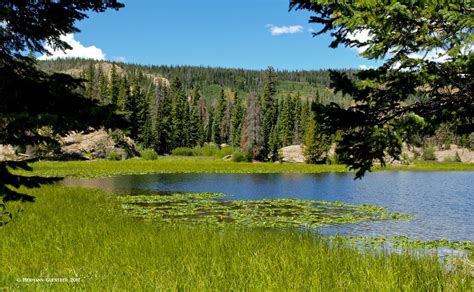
point(205, 208)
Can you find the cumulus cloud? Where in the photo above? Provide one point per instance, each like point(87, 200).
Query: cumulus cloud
point(279, 30)
point(365, 67)
point(361, 36)
point(78, 50)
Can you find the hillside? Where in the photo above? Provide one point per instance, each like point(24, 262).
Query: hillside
point(312, 85)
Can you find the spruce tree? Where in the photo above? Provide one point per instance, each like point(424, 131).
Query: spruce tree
point(219, 114)
point(163, 121)
point(238, 112)
point(317, 144)
point(268, 107)
point(179, 114)
point(114, 90)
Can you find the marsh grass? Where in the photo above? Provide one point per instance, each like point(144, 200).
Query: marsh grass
point(82, 233)
point(170, 164)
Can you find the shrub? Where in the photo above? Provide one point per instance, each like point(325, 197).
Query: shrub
point(238, 156)
point(114, 155)
point(208, 150)
point(183, 151)
point(429, 153)
point(454, 158)
point(405, 159)
point(148, 154)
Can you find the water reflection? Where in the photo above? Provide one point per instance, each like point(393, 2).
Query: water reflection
point(442, 202)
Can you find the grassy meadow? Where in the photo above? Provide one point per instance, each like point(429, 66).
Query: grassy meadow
point(177, 164)
point(84, 236)
point(81, 234)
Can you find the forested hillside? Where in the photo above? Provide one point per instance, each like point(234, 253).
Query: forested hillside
point(257, 112)
point(172, 107)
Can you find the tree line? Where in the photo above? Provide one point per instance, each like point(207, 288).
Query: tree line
point(163, 115)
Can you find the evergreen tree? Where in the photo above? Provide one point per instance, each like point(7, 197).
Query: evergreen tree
point(90, 76)
point(195, 125)
point(317, 144)
point(219, 114)
point(179, 114)
point(238, 112)
point(298, 127)
point(268, 107)
point(114, 90)
point(163, 121)
point(103, 86)
point(251, 137)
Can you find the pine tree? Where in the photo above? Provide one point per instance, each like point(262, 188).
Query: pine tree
point(195, 125)
point(298, 127)
point(103, 86)
point(114, 90)
point(251, 137)
point(238, 112)
point(317, 144)
point(131, 108)
point(268, 106)
point(219, 114)
point(179, 114)
point(163, 122)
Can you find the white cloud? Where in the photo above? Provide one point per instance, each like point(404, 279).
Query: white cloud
point(279, 30)
point(365, 67)
point(78, 50)
point(361, 36)
point(120, 59)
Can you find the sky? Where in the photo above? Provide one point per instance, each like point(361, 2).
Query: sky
point(250, 34)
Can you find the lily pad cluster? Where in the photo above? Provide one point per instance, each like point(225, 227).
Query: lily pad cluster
point(210, 208)
point(407, 243)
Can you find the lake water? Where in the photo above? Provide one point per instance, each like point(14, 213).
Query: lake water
point(442, 202)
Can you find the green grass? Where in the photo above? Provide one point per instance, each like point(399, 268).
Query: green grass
point(102, 168)
point(82, 233)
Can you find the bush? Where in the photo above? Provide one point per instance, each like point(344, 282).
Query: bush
point(208, 150)
point(405, 159)
point(429, 153)
point(148, 154)
point(114, 155)
point(454, 158)
point(183, 151)
point(241, 157)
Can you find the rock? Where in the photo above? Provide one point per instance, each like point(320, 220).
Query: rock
point(7, 152)
point(227, 157)
point(292, 154)
point(98, 144)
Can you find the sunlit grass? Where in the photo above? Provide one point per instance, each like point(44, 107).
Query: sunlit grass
point(82, 233)
point(205, 165)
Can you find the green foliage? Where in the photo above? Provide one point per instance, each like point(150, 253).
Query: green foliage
point(183, 151)
point(32, 100)
point(207, 150)
point(114, 155)
point(429, 153)
point(317, 144)
point(238, 156)
point(410, 82)
point(148, 154)
point(179, 115)
point(203, 208)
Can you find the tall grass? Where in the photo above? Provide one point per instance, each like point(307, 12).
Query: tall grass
point(173, 164)
point(80, 233)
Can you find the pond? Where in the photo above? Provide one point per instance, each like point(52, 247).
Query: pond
point(442, 202)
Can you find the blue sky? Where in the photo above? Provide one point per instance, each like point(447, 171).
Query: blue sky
point(225, 33)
